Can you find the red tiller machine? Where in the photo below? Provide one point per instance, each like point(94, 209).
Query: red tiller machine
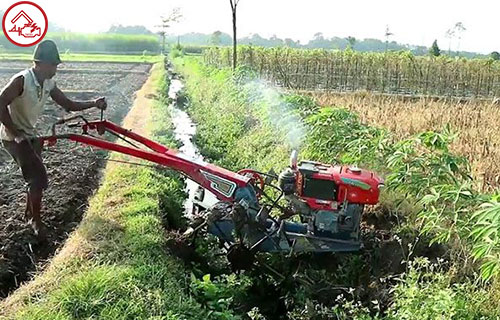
point(308, 207)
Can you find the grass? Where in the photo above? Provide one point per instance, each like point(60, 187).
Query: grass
point(115, 265)
point(85, 57)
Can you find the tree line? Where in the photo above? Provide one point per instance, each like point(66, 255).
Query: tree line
point(319, 41)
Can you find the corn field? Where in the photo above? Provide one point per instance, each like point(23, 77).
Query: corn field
point(347, 71)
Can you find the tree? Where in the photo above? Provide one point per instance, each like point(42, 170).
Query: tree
point(459, 30)
point(234, 5)
point(450, 34)
point(455, 32)
point(215, 38)
point(351, 41)
point(166, 22)
point(276, 42)
point(255, 39)
point(128, 29)
point(318, 36)
point(434, 49)
point(495, 55)
point(291, 43)
point(319, 41)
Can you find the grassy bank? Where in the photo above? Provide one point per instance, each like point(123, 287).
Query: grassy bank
point(242, 122)
point(115, 266)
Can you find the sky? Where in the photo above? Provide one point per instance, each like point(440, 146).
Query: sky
point(411, 22)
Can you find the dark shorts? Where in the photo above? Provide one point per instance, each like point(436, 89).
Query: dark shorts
point(28, 155)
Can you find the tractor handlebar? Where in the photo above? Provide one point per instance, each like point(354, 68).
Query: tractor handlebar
point(65, 120)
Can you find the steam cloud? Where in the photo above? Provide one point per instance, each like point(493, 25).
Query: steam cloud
point(281, 115)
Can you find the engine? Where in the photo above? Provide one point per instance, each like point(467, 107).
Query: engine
point(329, 198)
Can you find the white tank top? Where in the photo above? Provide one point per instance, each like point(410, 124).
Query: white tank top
point(27, 108)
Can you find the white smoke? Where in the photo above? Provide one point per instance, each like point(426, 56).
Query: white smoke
point(269, 103)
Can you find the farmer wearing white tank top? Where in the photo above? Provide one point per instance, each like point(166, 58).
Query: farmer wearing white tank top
point(22, 101)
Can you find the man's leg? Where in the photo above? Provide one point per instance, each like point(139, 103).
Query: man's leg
point(35, 198)
point(28, 156)
point(15, 152)
point(27, 211)
point(37, 184)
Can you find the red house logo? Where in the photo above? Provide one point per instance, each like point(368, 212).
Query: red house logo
point(25, 23)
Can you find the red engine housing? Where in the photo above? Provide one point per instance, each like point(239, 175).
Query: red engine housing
point(323, 186)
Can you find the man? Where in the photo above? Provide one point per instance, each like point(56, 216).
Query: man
point(22, 101)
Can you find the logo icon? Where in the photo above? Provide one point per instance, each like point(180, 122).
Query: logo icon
point(223, 186)
point(25, 23)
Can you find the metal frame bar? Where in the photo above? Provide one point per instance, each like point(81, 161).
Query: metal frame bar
point(158, 153)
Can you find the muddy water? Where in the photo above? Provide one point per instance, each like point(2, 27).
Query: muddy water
point(185, 129)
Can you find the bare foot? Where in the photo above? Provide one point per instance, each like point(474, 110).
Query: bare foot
point(39, 229)
point(27, 215)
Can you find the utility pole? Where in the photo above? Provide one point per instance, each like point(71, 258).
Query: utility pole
point(459, 30)
point(234, 5)
point(450, 34)
point(387, 34)
point(166, 23)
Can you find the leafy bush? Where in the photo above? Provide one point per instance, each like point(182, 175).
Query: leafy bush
point(427, 292)
point(486, 237)
point(219, 294)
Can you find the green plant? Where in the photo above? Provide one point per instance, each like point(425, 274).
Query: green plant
point(220, 294)
point(423, 168)
point(427, 291)
point(486, 237)
point(176, 51)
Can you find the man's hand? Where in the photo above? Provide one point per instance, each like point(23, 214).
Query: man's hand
point(100, 103)
point(69, 105)
point(20, 137)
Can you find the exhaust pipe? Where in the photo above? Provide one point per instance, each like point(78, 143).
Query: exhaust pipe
point(293, 159)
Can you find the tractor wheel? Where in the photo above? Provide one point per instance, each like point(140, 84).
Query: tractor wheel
point(240, 257)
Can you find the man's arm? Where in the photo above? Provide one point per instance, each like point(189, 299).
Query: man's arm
point(13, 90)
point(69, 105)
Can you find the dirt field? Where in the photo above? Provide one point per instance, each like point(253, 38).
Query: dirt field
point(73, 170)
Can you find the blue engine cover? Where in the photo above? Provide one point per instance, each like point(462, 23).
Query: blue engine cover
point(326, 221)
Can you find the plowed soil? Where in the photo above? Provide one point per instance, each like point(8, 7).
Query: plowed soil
point(73, 170)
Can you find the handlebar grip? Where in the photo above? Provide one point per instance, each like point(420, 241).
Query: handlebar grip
point(74, 125)
point(60, 121)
